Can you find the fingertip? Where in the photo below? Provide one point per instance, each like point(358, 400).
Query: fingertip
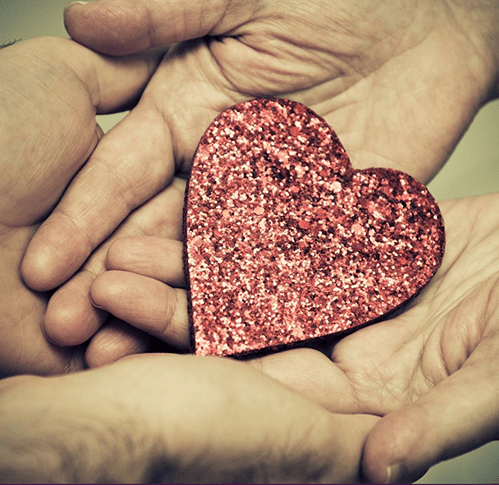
point(144, 303)
point(391, 450)
point(36, 269)
point(101, 289)
point(113, 342)
point(101, 26)
point(124, 253)
point(71, 319)
point(58, 325)
point(114, 291)
point(116, 252)
point(55, 253)
point(40, 265)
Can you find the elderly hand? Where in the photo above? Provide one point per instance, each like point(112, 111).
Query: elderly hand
point(169, 418)
point(399, 83)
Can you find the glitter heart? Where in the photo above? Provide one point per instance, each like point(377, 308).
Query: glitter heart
point(286, 243)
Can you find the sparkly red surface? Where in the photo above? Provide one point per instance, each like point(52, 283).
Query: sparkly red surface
point(286, 242)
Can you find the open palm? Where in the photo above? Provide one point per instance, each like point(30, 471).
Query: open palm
point(439, 366)
point(453, 325)
point(431, 371)
point(398, 83)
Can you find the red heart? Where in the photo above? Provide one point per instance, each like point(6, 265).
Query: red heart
point(287, 243)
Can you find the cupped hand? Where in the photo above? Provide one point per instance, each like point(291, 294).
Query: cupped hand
point(165, 418)
point(431, 371)
point(50, 93)
point(73, 319)
point(399, 82)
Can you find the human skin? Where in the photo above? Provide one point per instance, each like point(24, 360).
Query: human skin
point(407, 80)
point(62, 86)
point(160, 418)
point(149, 418)
point(430, 371)
point(398, 81)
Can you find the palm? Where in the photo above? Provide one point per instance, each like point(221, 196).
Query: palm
point(380, 368)
point(362, 68)
point(371, 85)
point(450, 326)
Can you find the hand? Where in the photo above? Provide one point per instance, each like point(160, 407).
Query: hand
point(50, 92)
point(431, 371)
point(166, 418)
point(72, 318)
point(399, 84)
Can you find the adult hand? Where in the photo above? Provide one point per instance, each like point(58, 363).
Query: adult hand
point(431, 371)
point(165, 418)
point(399, 82)
point(50, 92)
point(72, 319)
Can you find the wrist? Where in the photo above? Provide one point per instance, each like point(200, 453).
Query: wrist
point(51, 433)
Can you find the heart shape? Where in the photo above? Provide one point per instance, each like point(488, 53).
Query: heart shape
point(287, 243)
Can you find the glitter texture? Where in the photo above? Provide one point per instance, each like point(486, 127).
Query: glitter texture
point(287, 243)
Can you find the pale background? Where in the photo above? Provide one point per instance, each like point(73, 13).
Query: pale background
point(472, 170)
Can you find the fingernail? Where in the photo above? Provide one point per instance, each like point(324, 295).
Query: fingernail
point(95, 305)
point(392, 474)
point(79, 2)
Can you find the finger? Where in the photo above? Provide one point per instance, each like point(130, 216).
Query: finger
point(312, 374)
point(131, 164)
point(145, 303)
point(457, 416)
point(112, 83)
point(115, 340)
point(71, 318)
point(119, 27)
point(150, 256)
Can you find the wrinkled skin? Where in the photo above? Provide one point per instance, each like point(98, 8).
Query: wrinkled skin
point(398, 81)
point(431, 370)
point(162, 418)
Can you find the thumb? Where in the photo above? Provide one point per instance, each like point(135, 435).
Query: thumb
point(457, 416)
point(120, 27)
